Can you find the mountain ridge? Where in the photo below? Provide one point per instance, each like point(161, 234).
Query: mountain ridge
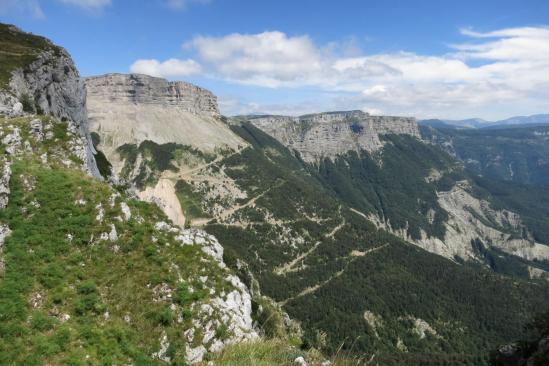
point(328, 237)
point(328, 134)
point(479, 123)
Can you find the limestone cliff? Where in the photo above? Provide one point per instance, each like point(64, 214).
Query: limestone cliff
point(46, 81)
point(137, 110)
point(129, 109)
point(144, 89)
point(329, 134)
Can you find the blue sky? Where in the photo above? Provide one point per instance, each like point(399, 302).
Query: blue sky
point(431, 58)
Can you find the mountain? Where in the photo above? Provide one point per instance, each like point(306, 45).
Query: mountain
point(534, 120)
point(318, 212)
point(468, 123)
point(87, 272)
point(140, 226)
point(518, 121)
point(520, 154)
point(317, 136)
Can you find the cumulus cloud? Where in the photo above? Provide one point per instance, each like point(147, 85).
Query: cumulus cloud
point(490, 72)
point(169, 68)
point(21, 7)
point(266, 59)
point(88, 4)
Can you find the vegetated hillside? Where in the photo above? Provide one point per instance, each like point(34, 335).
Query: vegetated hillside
point(91, 276)
point(353, 285)
point(18, 50)
point(289, 223)
point(519, 154)
point(533, 350)
point(407, 186)
point(391, 184)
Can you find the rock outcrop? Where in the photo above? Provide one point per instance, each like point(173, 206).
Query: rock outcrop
point(50, 85)
point(232, 310)
point(144, 89)
point(129, 109)
point(316, 136)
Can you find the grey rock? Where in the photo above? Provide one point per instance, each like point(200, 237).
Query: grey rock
point(54, 84)
point(4, 233)
point(143, 89)
point(12, 140)
point(5, 185)
point(316, 136)
point(36, 129)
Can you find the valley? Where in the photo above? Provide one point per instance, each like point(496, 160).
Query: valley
point(140, 226)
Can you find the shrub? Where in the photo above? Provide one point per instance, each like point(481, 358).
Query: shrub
point(41, 322)
point(28, 104)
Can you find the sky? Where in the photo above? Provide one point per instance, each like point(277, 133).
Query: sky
point(425, 58)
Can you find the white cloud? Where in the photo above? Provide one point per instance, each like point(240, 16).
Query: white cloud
point(267, 59)
point(93, 5)
point(491, 74)
point(512, 44)
point(169, 68)
point(182, 4)
point(21, 7)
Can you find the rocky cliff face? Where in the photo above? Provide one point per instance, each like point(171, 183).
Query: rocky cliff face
point(472, 219)
point(329, 134)
point(143, 89)
point(129, 109)
point(50, 85)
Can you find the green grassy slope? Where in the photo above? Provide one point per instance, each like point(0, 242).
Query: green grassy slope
point(72, 294)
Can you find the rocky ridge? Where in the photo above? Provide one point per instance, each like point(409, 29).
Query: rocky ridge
point(329, 134)
point(144, 89)
point(51, 85)
point(44, 135)
point(129, 109)
point(46, 143)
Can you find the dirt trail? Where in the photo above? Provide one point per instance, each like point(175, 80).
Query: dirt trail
point(354, 255)
point(290, 266)
point(228, 212)
point(204, 166)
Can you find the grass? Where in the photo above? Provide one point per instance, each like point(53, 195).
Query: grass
point(190, 201)
point(274, 352)
point(18, 50)
point(65, 295)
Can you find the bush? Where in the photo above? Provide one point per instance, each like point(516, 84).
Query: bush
point(42, 322)
point(27, 102)
point(87, 287)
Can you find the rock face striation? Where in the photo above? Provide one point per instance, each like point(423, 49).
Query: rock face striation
point(129, 109)
point(329, 134)
point(144, 89)
point(50, 85)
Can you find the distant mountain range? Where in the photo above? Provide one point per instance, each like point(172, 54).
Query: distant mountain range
point(522, 121)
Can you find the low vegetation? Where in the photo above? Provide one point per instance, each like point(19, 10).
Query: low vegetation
point(518, 154)
point(82, 282)
point(347, 267)
point(18, 50)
